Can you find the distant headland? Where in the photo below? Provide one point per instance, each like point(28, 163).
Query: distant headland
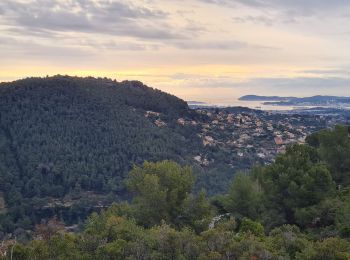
point(295, 101)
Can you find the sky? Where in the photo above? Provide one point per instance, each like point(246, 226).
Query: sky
point(201, 50)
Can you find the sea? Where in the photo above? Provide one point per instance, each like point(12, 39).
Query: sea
point(259, 105)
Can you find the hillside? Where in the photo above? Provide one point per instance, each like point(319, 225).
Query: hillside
point(62, 135)
point(296, 208)
point(264, 98)
point(68, 143)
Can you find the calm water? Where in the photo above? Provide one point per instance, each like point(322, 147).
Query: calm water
point(257, 105)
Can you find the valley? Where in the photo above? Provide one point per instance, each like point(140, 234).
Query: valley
point(63, 137)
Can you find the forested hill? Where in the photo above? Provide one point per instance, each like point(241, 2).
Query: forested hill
point(68, 89)
point(66, 135)
point(296, 208)
point(68, 143)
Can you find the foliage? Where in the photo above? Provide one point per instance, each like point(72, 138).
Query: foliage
point(295, 208)
point(160, 191)
point(68, 143)
point(61, 137)
point(165, 220)
point(333, 147)
point(244, 197)
point(251, 227)
point(294, 183)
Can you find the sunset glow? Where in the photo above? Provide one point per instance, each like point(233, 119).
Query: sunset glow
point(188, 48)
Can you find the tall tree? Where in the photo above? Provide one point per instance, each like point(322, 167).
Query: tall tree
point(160, 191)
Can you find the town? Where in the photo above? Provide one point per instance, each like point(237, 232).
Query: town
point(247, 137)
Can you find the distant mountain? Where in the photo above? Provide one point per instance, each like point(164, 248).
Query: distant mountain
point(294, 101)
point(314, 101)
point(264, 98)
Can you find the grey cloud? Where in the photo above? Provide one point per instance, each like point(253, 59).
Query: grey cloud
point(11, 48)
point(75, 47)
point(118, 45)
point(303, 84)
point(227, 3)
point(7, 41)
point(287, 4)
point(88, 16)
point(288, 10)
point(260, 19)
point(327, 71)
point(218, 45)
point(279, 84)
point(312, 4)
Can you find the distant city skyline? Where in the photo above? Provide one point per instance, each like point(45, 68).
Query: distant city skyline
point(201, 50)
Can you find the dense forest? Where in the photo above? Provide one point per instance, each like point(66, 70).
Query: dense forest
point(75, 139)
point(70, 147)
point(68, 143)
point(295, 208)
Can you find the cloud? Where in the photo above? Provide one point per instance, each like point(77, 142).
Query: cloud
point(327, 72)
point(299, 86)
point(302, 82)
point(283, 11)
point(219, 45)
point(87, 16)
point(286, 4)
point(16, 48)
point(259, 19)
point(111, 45)
point(216, 45)
point(282, 84)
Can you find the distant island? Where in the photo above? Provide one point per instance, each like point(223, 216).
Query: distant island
point(264, 98)
point(295, 101)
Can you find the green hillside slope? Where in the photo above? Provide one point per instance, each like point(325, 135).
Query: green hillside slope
point(62, 135)
point(68, 143)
